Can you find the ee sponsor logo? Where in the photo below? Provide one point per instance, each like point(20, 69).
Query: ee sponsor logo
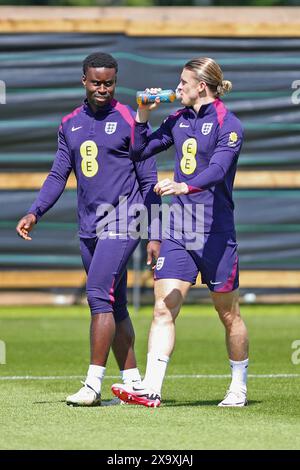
point(188, 161)
point(89, 153)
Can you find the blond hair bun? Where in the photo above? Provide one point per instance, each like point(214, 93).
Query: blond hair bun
point(225, 87)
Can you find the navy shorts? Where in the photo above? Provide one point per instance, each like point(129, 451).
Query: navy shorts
point(216, 260)
point(105, 263)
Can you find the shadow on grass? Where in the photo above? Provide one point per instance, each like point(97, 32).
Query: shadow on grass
point(174, 403)
point(52, 402)
point(165, 403)
point(112, 402)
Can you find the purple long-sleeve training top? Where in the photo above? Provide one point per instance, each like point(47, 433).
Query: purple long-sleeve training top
point(96, 147)
point(207, 146)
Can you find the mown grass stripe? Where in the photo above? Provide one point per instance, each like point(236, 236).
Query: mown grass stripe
point(174, 377)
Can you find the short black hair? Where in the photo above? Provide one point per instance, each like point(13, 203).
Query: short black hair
point(98, 60)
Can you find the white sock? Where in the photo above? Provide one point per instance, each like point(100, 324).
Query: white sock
point(239, 371)
point(130, 375)
point(95, 376)
point(155, 371)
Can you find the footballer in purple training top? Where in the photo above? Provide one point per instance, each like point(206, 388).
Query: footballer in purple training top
point(207, 145)
point(200, 238)
point(93, 141)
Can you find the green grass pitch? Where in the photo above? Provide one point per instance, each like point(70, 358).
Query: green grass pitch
point(44, 342)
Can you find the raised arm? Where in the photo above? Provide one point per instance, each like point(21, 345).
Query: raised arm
point(144, 144)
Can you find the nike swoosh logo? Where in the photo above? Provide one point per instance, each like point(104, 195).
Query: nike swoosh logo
point(76, 128)
point(215, 283)
point(183, 125)
point(114, 234)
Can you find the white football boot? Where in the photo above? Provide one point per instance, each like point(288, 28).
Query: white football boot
point(234, 399)
point(86, 396)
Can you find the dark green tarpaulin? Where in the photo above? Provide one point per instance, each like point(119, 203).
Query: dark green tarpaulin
point(42, 74)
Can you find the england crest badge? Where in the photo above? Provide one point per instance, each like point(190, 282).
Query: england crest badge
point(159, 263)
point(206, 128)
point(110, 127)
